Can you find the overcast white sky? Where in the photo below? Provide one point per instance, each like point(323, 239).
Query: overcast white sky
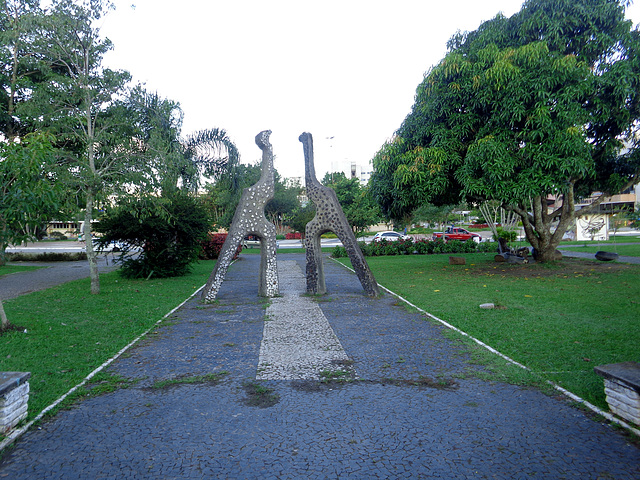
point(346, 69)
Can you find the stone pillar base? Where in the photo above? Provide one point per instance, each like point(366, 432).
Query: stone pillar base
point(14, 397)
point(622, 388)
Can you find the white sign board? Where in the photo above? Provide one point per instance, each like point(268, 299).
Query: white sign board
point(592, 227)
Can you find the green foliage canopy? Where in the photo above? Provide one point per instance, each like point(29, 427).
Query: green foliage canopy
point(525, 107)
point(356, 202)
point(29, 195)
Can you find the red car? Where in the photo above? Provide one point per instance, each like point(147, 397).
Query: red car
point(457, 233)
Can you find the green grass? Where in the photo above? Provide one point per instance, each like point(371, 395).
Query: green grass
point(9, 269)
point(559, 320)
point(627, 250)
point(70, 332)
point(212, 378)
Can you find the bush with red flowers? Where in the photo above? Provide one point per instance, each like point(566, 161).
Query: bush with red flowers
point(212, 246)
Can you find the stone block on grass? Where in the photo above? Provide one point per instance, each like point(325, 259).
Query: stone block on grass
point(622, 389)
point(14, 399)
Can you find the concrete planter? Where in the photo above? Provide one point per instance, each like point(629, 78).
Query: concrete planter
point(14, 397)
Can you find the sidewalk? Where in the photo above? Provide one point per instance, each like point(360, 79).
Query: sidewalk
point(408, 413)
point(592, 256)
point(52, 274)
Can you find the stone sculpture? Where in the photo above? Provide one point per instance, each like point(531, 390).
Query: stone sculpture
point(249, 219)
point(329, 218)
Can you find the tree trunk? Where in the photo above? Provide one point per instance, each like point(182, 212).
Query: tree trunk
point(3, 246)
point(3, 318)
point(91, 253)
point(538, 223)
point(91, 190)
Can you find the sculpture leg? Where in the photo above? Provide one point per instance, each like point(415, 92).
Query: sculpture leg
point(321, 288)
point(361, 267)
point(269, 285)
point(225, 257)
point(359, 264)
point(315, 268)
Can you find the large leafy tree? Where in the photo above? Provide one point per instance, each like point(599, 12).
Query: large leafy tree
point(433, 214)
point(284, 203)
point(22, 65)
point(222, 197)
point(356, 202)
point(179, 163)
point(542, 104)
point(29, 194)
point(84, 105)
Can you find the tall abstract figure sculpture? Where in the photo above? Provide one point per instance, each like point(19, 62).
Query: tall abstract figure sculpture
point(329, 218)
point(249, 219)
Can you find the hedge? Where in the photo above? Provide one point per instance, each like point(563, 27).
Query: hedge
point(418, 247)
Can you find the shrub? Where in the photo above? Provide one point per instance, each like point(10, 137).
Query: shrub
point(487, 247)
point(169, 230)
point(212, 246)
point(422, 247)
point(469, 246)
point(340, 252)
point(508, 235)
point(293, 236)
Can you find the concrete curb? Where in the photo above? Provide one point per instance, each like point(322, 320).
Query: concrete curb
point(565, 392)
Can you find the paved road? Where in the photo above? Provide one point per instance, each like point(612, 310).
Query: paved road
point(592, 256)
point(52, 274)
point(414, 410)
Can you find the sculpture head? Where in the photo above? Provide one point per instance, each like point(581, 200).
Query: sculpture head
point(305, 136)
point(262, 139)
point(309, 166)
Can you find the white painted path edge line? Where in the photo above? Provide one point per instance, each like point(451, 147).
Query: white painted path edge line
point(564, 391)
point(15, 434)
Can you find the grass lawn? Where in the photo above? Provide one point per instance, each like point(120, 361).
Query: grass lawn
point(70, 332)
point(559, 320)
point(9, 269)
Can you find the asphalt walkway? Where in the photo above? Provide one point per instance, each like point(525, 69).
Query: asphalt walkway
point(50, 275)
point(592, 256)
point(413, 408)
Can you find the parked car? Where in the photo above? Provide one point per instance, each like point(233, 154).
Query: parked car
point(251, 241)
point(112, 246)
point(390, 236)
point(457, 233)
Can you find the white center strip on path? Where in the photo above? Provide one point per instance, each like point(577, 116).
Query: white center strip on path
point(297, 343)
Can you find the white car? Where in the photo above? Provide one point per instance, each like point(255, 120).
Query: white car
point(112, 246)
point(390, 236)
